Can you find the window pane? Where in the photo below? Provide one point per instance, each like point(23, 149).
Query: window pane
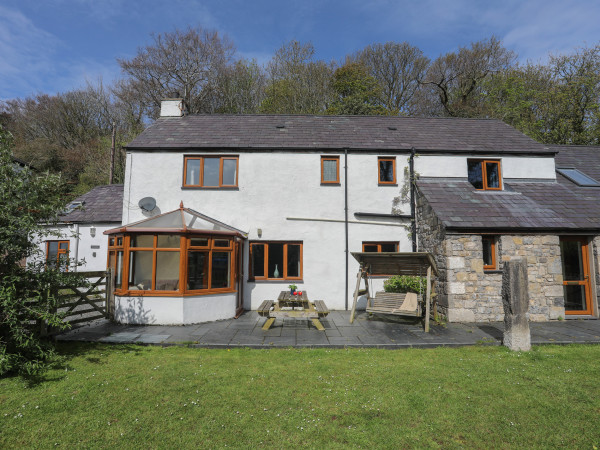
point(330, 170)
point(111, 242)
point(475, 174)
point(222, 243)
point(388, 247)
point(386, 171)
point(63, 245)
point(167, 271)
point(142, 240)
point(119, 241)
point(197, 270)
point(258, 260)
point(293, 260)
point(229, 172)
point(492, 174)
point(275, 260)
point(192, 172)
point(572, 260)
point(168, 241)
point(52, 252)
point(199, 242)
point(119, 271)
point(370, 248)
point(140, 270)
point(220, 270)
point(211, 172)
point(488, 255)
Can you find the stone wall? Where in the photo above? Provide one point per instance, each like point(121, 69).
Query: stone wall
point(467, 293)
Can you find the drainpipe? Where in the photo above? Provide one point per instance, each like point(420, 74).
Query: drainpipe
point(346, 219)
point(413, 221)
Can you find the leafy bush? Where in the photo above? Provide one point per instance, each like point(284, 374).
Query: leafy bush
point(29, 204)
point(406, 283)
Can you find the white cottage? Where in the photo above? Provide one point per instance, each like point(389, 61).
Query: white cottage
point(221, 212)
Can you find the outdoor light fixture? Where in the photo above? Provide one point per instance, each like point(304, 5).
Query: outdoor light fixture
point(259, 232)
point(93, 231)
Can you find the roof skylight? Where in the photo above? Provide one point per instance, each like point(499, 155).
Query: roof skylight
point(577, 177)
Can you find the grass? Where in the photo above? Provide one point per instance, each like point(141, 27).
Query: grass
point(153, 397)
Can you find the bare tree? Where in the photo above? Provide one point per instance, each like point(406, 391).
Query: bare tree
point(398, 69)
point(187, 62)
point(240, 88)
point(455, 78)
point(297, 83)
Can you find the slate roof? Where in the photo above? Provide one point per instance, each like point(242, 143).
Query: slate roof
point(533, 206)
point(303, 132)
point(102, 204)
point(582, 157)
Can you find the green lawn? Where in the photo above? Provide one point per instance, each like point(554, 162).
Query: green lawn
point(153, 397)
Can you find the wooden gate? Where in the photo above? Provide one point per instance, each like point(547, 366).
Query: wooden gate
point(80, 304)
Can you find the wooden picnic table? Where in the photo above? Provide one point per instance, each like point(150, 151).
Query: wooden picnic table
point(293, 306)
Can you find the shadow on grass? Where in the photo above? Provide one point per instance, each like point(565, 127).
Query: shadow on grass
point(94, 353)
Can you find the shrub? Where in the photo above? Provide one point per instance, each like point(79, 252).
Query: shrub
point(406, 283)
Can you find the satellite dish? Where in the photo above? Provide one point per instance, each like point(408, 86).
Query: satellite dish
point(147, 204)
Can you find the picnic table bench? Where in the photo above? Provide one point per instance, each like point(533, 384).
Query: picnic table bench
point(293, 306)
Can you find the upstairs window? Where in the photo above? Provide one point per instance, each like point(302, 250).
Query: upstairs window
point(379, 247)
point(387, 170)
point(484, 174)
point(489, 253)
point(210, 171)
point(330, 169)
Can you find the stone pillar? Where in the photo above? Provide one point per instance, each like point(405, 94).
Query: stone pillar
point(515, 299)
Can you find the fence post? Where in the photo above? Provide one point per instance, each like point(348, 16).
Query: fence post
point(110, 295)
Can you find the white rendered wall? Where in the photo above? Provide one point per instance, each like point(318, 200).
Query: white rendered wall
point(92, 251)
point(175, 310)
point(449, 166)
point(274, 190)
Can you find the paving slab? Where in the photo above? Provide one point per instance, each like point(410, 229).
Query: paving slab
point(376, 331)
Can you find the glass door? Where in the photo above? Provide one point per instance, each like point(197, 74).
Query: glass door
point(576, 275)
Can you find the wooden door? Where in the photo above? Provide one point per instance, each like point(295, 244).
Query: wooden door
point(576, 275)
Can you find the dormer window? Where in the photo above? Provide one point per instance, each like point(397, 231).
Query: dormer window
point(484, 174)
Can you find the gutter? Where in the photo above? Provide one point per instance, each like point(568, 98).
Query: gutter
point(76, 246)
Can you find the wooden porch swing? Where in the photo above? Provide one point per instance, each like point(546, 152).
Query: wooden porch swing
point(391, 263)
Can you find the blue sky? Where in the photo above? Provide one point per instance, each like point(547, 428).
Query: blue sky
point(50, 46)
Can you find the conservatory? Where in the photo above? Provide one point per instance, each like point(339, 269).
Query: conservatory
point(179, 267)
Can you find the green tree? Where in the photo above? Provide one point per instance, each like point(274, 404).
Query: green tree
point(27, 292)
point(356, 92)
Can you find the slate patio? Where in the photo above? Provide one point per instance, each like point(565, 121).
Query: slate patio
point(378, 331)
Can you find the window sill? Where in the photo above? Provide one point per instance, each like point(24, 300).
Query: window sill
point(173, 293)
point(492, 271)
point(331, 184)
point(212, 188)
point(275, 280)
point(388, 184)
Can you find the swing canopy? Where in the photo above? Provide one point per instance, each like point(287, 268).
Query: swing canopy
point(392, 263)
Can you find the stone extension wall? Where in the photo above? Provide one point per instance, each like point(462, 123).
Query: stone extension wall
point(468, 294)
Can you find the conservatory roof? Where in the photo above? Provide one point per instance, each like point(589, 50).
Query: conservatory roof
point(181, 220)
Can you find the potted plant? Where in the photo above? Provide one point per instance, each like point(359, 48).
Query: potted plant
point(293, 288)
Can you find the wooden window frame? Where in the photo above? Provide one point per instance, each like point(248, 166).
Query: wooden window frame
point(379, 244)
point(484, 173)
point(59, 252)
point(386, 158)
point(494, 251)
point(337, 166)
point(201, 158)
point(284, 269)
point(184, 247)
